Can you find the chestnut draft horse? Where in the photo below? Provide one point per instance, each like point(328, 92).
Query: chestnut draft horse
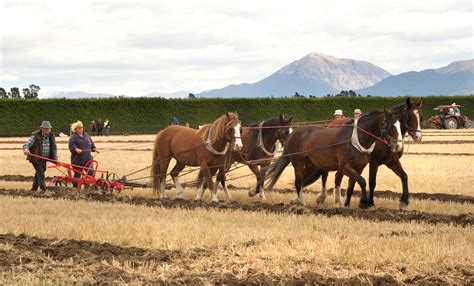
point(259, 149)
point(410, 116)
point(207, 148)
point(334, 149)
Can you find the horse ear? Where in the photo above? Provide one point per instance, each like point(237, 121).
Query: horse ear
point(227, 114)
point(290, 119)
point(419, 102)
point(281, 117)
point(385, 112)
point(408, 102)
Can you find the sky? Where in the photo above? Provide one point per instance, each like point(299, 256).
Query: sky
point(137, 47)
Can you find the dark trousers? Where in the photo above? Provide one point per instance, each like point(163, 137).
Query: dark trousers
point(39, 181)
point(79, 174)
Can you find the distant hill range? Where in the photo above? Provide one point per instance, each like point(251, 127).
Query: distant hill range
point(315, 74)
point(318, 74)
point(75, 95)
point(455, 79)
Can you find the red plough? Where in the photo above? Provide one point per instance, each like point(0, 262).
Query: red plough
point(91, 177)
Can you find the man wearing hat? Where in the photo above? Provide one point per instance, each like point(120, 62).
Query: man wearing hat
point(338, 114)
point(41, 143)
point(357, 114)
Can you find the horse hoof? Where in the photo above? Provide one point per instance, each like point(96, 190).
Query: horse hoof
point(197, 199)
point(296, 202)
point(403, 206)
point(363, 205)
point(252, 193)
point(320, 200)
point(347, 205)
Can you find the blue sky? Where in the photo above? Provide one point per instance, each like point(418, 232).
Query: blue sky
point(136, 47)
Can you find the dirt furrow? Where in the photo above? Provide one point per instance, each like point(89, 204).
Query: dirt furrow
point(79, 261)
point(442, 197)
point(380, 214)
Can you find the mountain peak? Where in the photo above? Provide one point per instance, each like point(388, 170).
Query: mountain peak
point(314, 74)
point(339, 73)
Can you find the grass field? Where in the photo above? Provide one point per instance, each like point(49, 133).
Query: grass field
point(249, 244)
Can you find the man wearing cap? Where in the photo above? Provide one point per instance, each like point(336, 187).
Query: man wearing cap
point(41, 143)
point(357, 114)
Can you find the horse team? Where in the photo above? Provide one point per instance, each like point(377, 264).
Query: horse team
point(345, 146)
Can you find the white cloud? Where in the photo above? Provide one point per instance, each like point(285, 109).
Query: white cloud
point(137, 47)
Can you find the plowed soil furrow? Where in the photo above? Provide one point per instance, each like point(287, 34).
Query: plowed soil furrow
point(378, 193)
point(80, 261)
point(380, 214)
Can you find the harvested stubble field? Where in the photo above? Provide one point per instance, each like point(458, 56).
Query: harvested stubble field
point(69, 236)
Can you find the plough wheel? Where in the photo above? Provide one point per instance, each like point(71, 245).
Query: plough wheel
point(60, 183)
point(103, 186)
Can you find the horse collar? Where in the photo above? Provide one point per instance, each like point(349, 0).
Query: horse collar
point(260, 144)
point(211, 148)
point(356, 143)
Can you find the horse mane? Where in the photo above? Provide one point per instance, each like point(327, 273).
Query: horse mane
point(218, 127)
point(369, 115)
point(269, 122)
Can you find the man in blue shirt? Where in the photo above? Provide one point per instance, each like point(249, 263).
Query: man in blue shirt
point(175, 121)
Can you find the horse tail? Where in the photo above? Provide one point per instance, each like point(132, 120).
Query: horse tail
point(276, 169)
point(155, 166)
point(312, 178)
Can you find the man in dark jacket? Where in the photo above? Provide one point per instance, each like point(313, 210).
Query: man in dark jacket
point(41, 143)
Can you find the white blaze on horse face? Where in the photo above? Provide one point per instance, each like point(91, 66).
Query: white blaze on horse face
point(290, 131)
point(399, 137)
point(418, 134)
point(238, 141)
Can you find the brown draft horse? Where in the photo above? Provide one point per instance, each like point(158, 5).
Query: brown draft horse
point(207, 148)
point(410, 116)
point(258, 151)
point(334, 149)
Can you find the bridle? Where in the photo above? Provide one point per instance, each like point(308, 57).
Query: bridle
point(406, 125)
point(386, 134)
point(229, 124)
point(230, 138)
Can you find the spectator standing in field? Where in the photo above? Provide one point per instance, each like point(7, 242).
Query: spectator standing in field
point(175, 121)
point(106, 127)
point(92, 127)
point(357, 114)
point(99, 126)
point(41, 143)
point(80, 146)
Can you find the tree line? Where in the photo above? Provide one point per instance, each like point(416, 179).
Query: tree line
point(28, 92)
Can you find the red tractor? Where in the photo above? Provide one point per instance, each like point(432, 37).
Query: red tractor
point(449, 117)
